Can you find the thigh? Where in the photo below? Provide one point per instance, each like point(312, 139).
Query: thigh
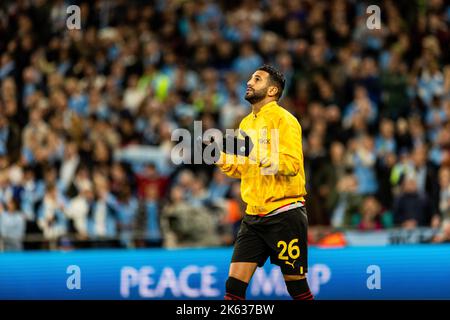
point(250, 247)
point(288, 242)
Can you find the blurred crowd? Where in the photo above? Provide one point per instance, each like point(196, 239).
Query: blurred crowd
point(374, 106)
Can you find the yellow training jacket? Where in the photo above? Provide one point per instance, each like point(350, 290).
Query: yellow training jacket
point(273, 175)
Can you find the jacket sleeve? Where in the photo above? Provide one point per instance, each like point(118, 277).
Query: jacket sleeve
point(289, 150)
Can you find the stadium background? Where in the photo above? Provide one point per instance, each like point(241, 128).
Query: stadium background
point(86, 118)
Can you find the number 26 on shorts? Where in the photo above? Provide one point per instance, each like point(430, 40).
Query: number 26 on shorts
point(292, 249)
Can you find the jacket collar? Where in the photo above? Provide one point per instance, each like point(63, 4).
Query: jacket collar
point(266, 107)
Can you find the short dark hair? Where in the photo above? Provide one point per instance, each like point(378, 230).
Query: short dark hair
point(276, 77)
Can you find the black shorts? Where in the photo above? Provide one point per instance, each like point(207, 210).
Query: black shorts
point(282, 237)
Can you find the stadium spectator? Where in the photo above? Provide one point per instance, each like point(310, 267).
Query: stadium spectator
point(12, 226)
point(149, 177)
point(125, 206)
point(348, 201)
point(69, 165)
point(219, 187)
point(232, 217)
point(372, 216)
point(363, 161)
point(444, 235)
point(33, 191)
point(102, 220)
point(335, 169)
point(78, 211)
point(427, 180)
point(394, 84)
point(148, 227)
point(412, 208)
point(315, 157)
point(6, 189)
point(385, 142)
point(199, 194)
point(51, 218)
point(184, 225)
point(9, 138)
point(444, 196)
point(361, 106)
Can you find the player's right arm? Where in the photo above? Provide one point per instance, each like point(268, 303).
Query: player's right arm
point(233, 162)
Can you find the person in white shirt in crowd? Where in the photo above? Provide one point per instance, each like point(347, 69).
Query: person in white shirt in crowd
point(78, 210)
point(12, 226)
point(102, 228)
point(51, 218)
point(6, 190)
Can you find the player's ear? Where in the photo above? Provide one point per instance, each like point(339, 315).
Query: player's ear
point(273, 91)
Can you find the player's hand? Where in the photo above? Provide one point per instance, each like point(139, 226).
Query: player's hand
point(244, 146)
point(265, 162)
point(268, 167)
point(232, 144)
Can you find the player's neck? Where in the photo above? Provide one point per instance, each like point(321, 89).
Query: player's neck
point(256, 107)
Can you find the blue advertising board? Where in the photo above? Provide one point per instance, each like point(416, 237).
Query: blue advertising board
point(388, 272)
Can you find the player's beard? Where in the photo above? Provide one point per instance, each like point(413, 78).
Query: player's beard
point(254, 96)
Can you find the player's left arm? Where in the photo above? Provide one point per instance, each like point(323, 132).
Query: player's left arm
point(286, 156)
